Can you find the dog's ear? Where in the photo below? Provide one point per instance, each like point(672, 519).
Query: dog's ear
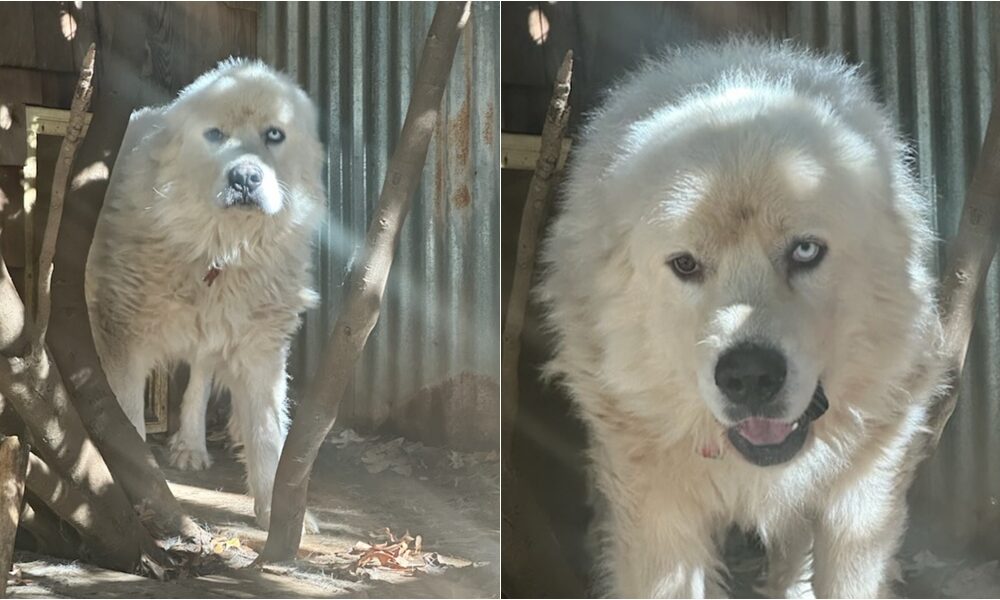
point(150, 132)
point(163, 145)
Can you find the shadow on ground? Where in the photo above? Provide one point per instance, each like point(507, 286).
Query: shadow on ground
point(360, 488)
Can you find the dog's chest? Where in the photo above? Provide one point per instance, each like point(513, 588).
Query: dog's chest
point(222, 310)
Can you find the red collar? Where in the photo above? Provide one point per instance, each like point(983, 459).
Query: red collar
point(211, 274)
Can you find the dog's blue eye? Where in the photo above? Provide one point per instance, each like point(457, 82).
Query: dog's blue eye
point(214, 135)
point(807, 253)
point(273, 135)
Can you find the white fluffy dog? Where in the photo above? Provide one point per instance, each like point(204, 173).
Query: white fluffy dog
point(739, 284)
point(202, 254)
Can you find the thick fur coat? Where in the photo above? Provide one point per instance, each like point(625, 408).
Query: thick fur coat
point(203, 254)
point(699, 201)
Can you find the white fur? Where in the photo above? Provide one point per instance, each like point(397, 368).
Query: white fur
point(164, 226)
point(729, 152)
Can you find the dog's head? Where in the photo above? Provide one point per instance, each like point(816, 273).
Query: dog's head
point(758, 259)
point(240, 143)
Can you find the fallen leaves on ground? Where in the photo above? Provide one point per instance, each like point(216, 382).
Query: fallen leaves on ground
point(220, 545)
point(459, 460)
point(344, 438)
point(16, 577)
point(396, 455)
point(404, 554)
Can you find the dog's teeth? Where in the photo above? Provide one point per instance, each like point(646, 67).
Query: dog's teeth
point(795, 425)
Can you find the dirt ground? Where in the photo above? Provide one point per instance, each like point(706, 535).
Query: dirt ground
point(360, 487)
point(926, 573)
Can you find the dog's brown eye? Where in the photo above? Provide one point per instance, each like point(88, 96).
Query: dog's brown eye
point(685, 266)
point(214, 135)
point(273, 135)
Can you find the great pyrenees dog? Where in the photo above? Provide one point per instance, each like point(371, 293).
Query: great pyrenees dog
point(202, 254)
point(740, 288)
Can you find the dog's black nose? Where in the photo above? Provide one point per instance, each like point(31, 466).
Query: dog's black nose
point(750, 374)
point(245, 178)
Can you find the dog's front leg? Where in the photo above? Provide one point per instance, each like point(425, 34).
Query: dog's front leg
point(187, 447)
point(657, 559)
point(258, 386)
point(857, 538)
point(789, 560)
point(657, 545)
point(259, 389)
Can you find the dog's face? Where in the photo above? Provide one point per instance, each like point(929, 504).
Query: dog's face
point(772, 270)
point(241, 140)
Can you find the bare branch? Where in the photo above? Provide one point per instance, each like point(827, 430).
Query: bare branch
point(36, 392)
point(969, 254)
point(527, 536)
point(60, 179)
point(75, 506)
point(318, 411)
point(52, 535)
point(539, 192)
point(13, 464)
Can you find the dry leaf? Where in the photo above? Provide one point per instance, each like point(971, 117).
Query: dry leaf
point(221, 545)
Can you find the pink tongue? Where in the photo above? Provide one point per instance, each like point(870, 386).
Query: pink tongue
point(764, 432)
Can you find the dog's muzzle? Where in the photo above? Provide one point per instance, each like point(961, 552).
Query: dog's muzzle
point(765, 442)
point(751, 376)
point(243, 190)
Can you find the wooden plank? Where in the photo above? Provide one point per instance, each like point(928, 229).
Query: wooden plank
point(57, 89)
point(251, 6)
point(608, 40)
point(55, 29)
point(520, 152)
point(17, 35)
point(192, 37)
point(12, 217)
point(17, 88)
point(85, 14)
point(521, 61)
point(52, 121)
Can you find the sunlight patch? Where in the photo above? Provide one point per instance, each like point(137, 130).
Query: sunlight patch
point(538, 26)
point(97, 171)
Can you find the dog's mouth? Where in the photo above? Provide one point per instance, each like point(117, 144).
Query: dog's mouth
point(765, 442)
point(242, 200)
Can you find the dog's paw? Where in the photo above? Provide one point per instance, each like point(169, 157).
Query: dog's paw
point(262, 516)
point(188, 456)
point(310, 524)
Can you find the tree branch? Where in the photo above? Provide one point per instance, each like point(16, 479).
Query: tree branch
point(528, 540)
point(60, 179)
point(318, 411)
point(13, 463)
point(70, 340)
point(539, 192)
point(34, 388)
point(52, 535)
point(969, 255)
point(37, 394)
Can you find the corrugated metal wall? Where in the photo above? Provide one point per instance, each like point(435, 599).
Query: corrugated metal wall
point(434, 357)
point(935, 64)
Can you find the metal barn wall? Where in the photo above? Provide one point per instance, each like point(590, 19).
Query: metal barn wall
point(935, 64)
point(432, 365)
